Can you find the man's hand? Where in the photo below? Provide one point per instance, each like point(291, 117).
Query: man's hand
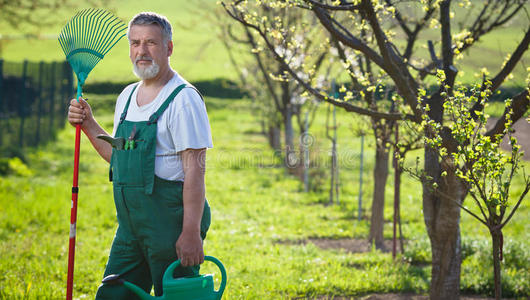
point(79, 112)
point(189, 249)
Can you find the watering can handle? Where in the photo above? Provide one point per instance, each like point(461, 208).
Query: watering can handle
point(221, 289)
point(168, 275)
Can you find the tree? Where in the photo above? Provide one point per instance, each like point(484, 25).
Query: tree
point(277, 98)
point(481, 165)
point(366, 88)
point(408, 73)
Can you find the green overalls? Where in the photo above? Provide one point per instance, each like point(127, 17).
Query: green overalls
point(149, 210)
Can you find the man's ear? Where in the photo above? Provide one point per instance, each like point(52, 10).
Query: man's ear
point(169, 48)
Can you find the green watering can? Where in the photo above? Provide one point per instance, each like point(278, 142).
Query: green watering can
point(197, 287)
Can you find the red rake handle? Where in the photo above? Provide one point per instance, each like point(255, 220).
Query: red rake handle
point(73, 215)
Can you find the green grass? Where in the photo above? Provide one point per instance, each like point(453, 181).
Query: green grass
point(259, 214)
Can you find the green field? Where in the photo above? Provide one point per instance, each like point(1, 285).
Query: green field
point(265, 229)
point(260, 220)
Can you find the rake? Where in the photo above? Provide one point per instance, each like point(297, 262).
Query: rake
point(85, 40)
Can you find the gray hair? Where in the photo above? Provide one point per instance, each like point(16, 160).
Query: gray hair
point(150, 18)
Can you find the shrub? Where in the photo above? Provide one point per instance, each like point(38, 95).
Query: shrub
point(477, 276)
point(418, 251)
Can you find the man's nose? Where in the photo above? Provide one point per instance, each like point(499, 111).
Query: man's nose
point(142, 50)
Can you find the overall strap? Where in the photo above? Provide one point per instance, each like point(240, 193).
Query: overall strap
point(154, 117)
point(124, 113)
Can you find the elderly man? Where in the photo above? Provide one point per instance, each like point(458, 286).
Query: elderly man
point(156, 155)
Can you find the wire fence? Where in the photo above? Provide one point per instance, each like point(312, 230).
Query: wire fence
point(33, 101)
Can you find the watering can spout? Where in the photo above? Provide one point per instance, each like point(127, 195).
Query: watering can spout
point(139, 292)
point(115, 280)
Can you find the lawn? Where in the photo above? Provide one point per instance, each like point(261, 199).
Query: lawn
point(262, 221)
point(265, 229)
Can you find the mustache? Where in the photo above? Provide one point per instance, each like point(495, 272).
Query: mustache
point(143, 58)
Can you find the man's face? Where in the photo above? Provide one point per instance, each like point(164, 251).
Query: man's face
point(147, 50)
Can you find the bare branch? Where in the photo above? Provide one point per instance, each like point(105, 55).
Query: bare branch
point(477, 201)
point(520, 104)
point(233, 61)
point(341, 6)
point(503, 73)
point(512, 62)
point(471, 213)
point(321, 96)
point(442, 194)
point(447, 51)
point(394, 65)
point(477, 30)
point(437, 62)
point(263, 70)
point(412, 35)
point(356, 84)
point(233, 37)
point(521, 198)
point(400, 19)
point(345, 37)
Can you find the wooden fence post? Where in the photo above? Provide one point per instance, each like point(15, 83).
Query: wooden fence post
point(52, 98)
point(39, 111)
point(1, 100)
point(22, 103)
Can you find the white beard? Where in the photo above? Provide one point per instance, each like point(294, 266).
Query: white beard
point(146, 72)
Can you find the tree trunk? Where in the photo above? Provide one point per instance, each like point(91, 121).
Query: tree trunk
point(301, 169)
point(442, 219)
point(291, 160)
point(496, 246)
point(274, 134)
point(332, 178)
point(378, 202)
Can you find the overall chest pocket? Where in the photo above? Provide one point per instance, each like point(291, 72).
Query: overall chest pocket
point(127, 166)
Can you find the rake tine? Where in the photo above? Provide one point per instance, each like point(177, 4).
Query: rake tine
point(115, 29)
point(114, 33)
point(67, 46)
point(116, 41)
point(96, 29)
point(77, 25)
point(104, 30)
point(86, 20)
point(88, 35)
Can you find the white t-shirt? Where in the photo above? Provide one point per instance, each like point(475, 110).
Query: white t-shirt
point(183, 125)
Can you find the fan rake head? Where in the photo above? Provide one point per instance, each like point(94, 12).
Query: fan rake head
point(85, 40)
